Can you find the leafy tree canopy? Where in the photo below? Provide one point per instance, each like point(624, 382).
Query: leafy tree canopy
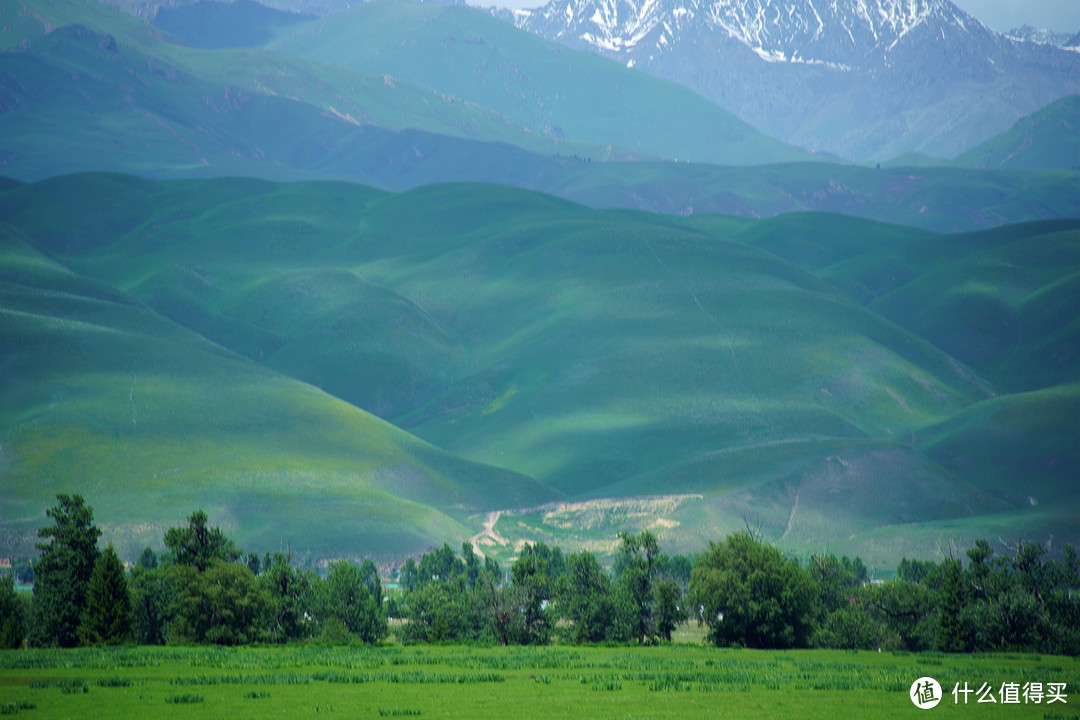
point(751, 595)
point(199, 545)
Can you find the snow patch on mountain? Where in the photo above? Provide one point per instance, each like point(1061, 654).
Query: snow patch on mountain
point(835, 33)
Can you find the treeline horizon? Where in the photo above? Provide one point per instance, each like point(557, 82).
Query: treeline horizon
point(202, 589)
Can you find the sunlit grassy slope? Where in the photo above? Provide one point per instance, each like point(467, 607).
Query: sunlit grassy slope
point(601, 353)
point(149, 421)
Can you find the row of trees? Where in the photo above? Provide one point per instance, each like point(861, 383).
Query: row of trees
point(459, 599)
point(202, 589)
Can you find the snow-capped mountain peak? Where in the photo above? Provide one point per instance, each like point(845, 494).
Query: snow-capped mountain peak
point(838, 33)
point(865, 79)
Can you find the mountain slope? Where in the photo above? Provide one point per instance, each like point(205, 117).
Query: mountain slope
point(108, 92)
point(996, 300)
point(243, 23)
point(862, 79)
point(259, 113)
point(467, 54)
point(1049, 138)
point(602, 353)
point(149, 421)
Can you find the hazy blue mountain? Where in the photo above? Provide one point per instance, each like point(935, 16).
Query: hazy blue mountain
point(466, 54)
point(1044, 36)
point(209, 24)
point(105, 91)
point(865, 79)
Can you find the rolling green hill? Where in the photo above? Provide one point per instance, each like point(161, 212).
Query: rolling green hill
point(601, 353)
point(1047, 139)
point(468, 54)
point(101, 396)
point(996, 300)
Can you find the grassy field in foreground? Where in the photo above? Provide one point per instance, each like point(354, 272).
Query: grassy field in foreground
point(676, 681)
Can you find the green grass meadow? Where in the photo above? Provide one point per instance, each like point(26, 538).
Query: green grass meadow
point(682, 680)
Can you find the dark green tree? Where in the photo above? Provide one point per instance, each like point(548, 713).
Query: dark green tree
point(409, 577)
point(552, 557)
point(151, 597)
point(63, 572)
point(668, 611)
point(472, 563)
point(443, 612)
point(147, 559)
point(637, 562)
point(369, 575)
point(836, 582)
point(12, 615)
point(586, 599)
point(24, 569)
point(223, 605)
point(199, 545)
point(751, 595)
point(294, 601)
point(440, 565)
point(915, 571)
point(532, 586)
point(346, 597)
point(107, 617)
point(904, 609)
point(852, 628)
point(501, 606)
point(951, 601)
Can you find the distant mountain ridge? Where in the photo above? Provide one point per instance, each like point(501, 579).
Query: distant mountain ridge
point(466, 54)
point(845, 34)
point(1043, 36)
point(867, 79)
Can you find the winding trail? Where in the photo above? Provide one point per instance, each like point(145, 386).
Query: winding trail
point(489, 535)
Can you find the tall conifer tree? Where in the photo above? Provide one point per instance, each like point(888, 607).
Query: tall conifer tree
point(63, 572)
point(107, 618)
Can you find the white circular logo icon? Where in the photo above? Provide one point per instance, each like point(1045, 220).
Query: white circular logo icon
point(925, 693)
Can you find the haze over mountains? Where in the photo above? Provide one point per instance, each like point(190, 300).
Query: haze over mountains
point(865, 80)
point(362, 371)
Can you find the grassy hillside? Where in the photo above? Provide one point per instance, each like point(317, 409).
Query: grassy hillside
point(1048, 138)
point(601, 353)
point(996, 300)
point(1023, 446)
point(468, 54)
point(149, 421)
